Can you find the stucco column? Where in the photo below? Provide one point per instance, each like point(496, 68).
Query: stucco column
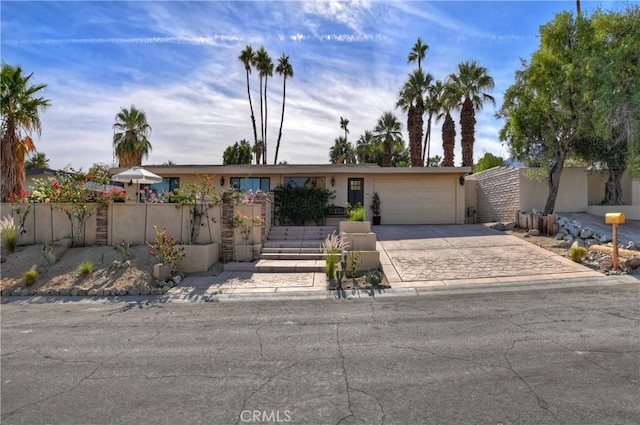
point(227, 230)
point(261, 199)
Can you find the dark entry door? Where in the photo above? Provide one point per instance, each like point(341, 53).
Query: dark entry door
point(355, 193)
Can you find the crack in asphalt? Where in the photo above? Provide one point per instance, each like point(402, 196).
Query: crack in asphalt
point(48, 357)
point(254, 392)
point(377, 401)
point(98, 366)
point(346, 380)
point(260, 340)
point(542, 403)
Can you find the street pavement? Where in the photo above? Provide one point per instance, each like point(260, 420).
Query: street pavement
point(561, 356)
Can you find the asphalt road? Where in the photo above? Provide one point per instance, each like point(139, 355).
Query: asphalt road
point(566, 356)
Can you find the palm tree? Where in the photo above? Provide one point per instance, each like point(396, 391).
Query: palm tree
point(388, 131)
point(36, 161)
point(471, 84)
point(411, 100)
point(257, 149)
point(447, 102)
point(20, 118)
point(264, 65)
point(431, 107)
point(343, 125)
point(418, 52)
point(342, 152)
point(247, 57)
point(368, 149)
point(131, 136)
point(285, 69)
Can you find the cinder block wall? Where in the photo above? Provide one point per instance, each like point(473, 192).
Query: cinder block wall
point(498, 194)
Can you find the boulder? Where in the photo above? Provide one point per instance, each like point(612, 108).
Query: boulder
point(577, 243)
point(561, 244)
point(574, 231)
point(134, 291)
point(560, 235)
point(510, 226)
point(533, 232)
point(92, 292)
point(586, 233)
point(590, 242)
point(632, 263)
point(634, 246)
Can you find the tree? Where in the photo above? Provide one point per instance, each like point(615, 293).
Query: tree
point(471, 83)
point(418, 53)
point(431, 107)
point(37, 160)
point(388, 131)
point(610, 110)
point(447, 102)
point(257, 149)
point(284, 69)
point(488, 161)
point(342, 152)
point(368, 149)
point(20, 107)
point(541, 107)
point(343, 125)
point(238, 153)
point(411, 101)
point(264, 65)
point(436, 161)
point(247, 57)
point(131, 136)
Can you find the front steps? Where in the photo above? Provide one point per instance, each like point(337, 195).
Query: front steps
point(289, 249)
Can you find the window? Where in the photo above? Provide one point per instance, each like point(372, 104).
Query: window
point(312, 182)
point(245, 184)
point(160, 189)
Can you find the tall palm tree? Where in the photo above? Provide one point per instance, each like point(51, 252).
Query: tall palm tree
point(368, 149)
point(131, 136)
point(418, 52)
point(342, 152)
point(411, 100)
point(247, 57)
point(447, 102)
point(20, 107)
point(471, 83)
point(264, 65)
point(257, 149)
point(388, 131)
point(431, 108)
point(36, 161)
point(285, 69)
point(343, 125)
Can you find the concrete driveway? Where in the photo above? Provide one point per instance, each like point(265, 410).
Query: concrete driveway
point(436, 255)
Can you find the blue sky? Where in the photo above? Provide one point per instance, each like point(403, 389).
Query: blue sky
point(178, 62)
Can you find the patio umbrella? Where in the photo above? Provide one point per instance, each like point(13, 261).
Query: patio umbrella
point(137, 175)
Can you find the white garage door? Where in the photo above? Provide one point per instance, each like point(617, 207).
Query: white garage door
point(417, 200)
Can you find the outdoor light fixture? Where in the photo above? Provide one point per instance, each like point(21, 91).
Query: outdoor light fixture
point(222, 181)
point(333, 181)
point(461, 180)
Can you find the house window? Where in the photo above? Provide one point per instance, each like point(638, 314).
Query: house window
point(355, 184)
point(254, 184)
point(161, 189)
point(309, 182)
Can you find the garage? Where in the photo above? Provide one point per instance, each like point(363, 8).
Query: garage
point(417, 199)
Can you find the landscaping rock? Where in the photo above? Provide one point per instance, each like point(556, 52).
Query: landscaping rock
point(586, 233)
point(574, 231)
point(510, 226)
point(590, 242)
point(560, 235)
point(155, 291)
point(145, 290)
point(24, 293)
point(577, 243)
point(134, 291)
point(74, 292)
point(54, 292)
point(165, 289)
point(82, 292)
point(633, 263)
point(121, 292)
point(533, 232)
point(568, 238)
point(498, 226)
point(92, 293)
point(634, 246)
point(604, 239)
point(64, 291)
point(17, 292)
point(561, 244)
point(177, 279)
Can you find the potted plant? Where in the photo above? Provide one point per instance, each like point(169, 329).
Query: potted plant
point(375, 208)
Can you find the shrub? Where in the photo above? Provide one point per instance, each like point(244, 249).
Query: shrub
point(86, 268)
point(9, 234)
point(375, 204)
point(49, 256)
point(577, 253)
point(333, 247)
point(356, 213)
point(30, 277)
point(123, 249)
point(294, 206)
point(167, 250)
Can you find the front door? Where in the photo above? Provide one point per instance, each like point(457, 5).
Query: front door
point(355, 193)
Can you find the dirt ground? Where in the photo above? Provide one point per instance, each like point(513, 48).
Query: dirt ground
point(64, 273)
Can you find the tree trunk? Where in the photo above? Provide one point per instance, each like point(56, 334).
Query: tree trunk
point(284, 95)
point(416, 146)
point(261, 117)
point(386, 162)
point(613, 187)
point(427, 142)
point(448, 140)
point(554, 182)
point(467, 129)
point(264, 138)
point(253, 117)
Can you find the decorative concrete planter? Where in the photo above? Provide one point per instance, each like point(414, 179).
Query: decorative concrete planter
point(199, 258)
point(355, 226)
point(243, 252)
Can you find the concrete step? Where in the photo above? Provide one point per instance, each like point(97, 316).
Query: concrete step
point(291, 244)
point(309, 250)
point(292, 256)
point(277, 266)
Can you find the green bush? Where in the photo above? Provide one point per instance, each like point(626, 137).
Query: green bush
point(294, 206)
point(86, 268)
point(577, 253)
point(356, 213)
point(375, 204)
point(49, 255)
point(30, 277)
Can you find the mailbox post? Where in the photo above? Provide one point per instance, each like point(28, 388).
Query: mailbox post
point(615, 219)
